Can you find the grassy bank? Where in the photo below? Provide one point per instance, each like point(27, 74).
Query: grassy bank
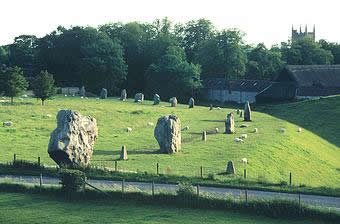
point(312, 156)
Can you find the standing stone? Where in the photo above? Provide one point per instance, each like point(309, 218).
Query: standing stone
point(211, 107)
point(247, 112)
point(173, 101)
point(241, 114)
point(191, 102)
point(238, 111)
point(82, 91)
point(168, 134)
point(103, 93)
point(72, 142)
point(123, 95)
point(156, 99)
point(139, 97)
point(230, 168)
point(204, 136)
point(230, 124)
point(123, 153)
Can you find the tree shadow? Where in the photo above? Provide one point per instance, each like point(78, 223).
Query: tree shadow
point(213, 120)
point(116, 152)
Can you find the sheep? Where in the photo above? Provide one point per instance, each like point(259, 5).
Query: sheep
point(150, 124)
point(217, 130)
point(48, 115)
point(238, 140)
point(244, 161)
point(7, 123)
point(255, 130)
point(299, 129)
point(283, 130)
point(218, 108)
point(243, 136)
point(128, 129)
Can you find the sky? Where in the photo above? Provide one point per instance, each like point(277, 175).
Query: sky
point(263, 21)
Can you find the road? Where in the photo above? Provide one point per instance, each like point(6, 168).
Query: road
point(314, 200)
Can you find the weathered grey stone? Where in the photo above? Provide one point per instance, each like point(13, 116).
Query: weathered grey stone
point(156, 99)
point(191, 102)
point(168, 134)
point(82, 91)
point(103, 93)
point(123, 95)
point(230, 168)
point(247, 112)
point(139, 97)
point(123, 153)
point(173, 101)
point(72, 142)
point(230, 124)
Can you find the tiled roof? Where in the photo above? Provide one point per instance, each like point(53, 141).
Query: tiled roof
point(242, 85)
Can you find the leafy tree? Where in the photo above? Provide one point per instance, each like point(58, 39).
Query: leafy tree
point(263, 63)
point(334, 48)
point(83, 56)
point(3, 56)
point(12, 82)
point(43, 86)
point(172, 75)
point(305, 52)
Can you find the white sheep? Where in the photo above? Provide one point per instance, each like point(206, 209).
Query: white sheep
point(217, 130)
point(238, 140)
point(283, 130)
point(48, 115)
point(244, 161)
point(299, 129)
point(243, 136)
point(150, 124)
point(128, 129)
point(255, 130)
point(218, 108)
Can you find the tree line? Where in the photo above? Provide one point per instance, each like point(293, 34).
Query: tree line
point(157, 57)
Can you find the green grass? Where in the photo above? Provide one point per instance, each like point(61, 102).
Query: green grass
point(312, 156)
point(33, 208)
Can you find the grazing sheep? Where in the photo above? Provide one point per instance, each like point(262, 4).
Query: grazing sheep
point(185, 128)
point(150, 124)
point(7, 123)
point(217, 130)
point(48, 115)
point(255, 130)
point(128, 129)
point(238, 140)
point(244, 161)
point(299, 129)
point(243, 136)
point(24, 96)
point(282, 130)
point(65, 95)
point(218, 108)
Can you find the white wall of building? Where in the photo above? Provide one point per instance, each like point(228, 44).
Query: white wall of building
point(229, 96)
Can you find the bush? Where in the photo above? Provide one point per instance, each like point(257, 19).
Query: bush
point(23, 164)
point(71, 180)
point(185, 190)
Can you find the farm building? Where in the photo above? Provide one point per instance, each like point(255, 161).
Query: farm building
point(303, 82)
point(239, 91)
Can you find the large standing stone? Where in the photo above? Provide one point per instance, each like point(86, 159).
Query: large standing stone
point(230, 124)
point(123, 153)
point(103, 93)
point(168, 134)
point(191, 102)
point(156, 99)
point(230, 167)
point(123, 95)
point(139, 97)
point(82, 91)
point(173, 101)
point(72, 142)
point(247, 112)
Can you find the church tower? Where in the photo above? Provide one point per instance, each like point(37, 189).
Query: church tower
point(301, 35)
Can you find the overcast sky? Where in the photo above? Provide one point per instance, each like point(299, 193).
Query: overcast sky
point(267, 21)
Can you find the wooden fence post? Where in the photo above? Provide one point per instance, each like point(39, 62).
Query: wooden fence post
point(14, 158)
point(39, 161)
point(116, 165)
point(40, 181)
point(123, 186)
point(201, 171)
point(245, 173)
point(157, 171)
point(198, 191)
point(290, 178)
point(204, 136)
point(246, 193)
point(153, 188)
point(299, 199)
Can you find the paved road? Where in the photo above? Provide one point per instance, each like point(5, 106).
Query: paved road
point(324, 201)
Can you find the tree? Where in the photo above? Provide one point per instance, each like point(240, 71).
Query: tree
point(3, 56)
point(13, 82)
point(334, 48)
point(43, 86)
point(172, 75)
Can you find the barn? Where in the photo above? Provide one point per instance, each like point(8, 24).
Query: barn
point(239, 91)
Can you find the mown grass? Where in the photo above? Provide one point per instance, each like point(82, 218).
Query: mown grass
point(312, 156)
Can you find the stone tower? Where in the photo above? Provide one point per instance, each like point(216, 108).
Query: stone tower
point(300, 35)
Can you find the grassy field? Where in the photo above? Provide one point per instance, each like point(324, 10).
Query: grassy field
point(313, 156)
point(27, 208)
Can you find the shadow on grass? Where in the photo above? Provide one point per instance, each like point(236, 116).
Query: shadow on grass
point(129, 152)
